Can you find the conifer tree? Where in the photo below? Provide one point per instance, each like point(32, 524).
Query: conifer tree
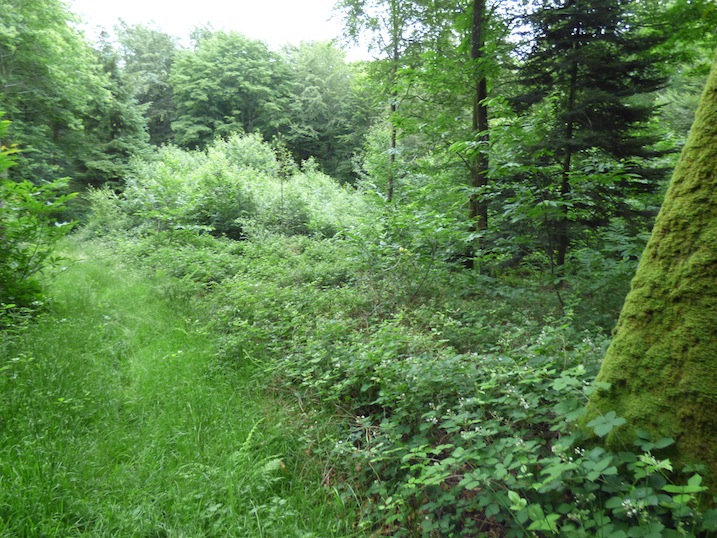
point(589, 62)
point(114, 125)
point(70, 113)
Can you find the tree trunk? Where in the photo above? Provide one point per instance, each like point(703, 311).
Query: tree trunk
point(392, 150)
point(662, 363)
point(563, 225)
point(395, 58)
point(477, 207)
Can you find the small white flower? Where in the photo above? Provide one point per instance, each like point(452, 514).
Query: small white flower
point(630, 509)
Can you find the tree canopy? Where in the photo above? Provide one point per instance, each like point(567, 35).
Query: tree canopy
point(226, 84)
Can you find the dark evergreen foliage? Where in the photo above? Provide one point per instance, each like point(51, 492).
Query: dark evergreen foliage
point(594, 68)
point(116, 123)
point(70, 109)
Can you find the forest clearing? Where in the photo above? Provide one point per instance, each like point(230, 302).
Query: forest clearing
point(466, 288)
point(117, 421)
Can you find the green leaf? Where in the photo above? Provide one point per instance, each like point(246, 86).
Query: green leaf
point(664, 442)
point(492, 510)
point(695, 480)
point(604, 424)
point(693, 486)
point(651, 530)
point(542, 521)
point(709, 520)
point(500, 471)
point(518, 503)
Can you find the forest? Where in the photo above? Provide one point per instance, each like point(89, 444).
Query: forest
point(467, 288)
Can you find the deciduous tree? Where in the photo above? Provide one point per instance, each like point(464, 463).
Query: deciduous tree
point(47, 72)
point(329, 112)
point(71, 115)
point(147, 56)
point(395, 33)
point(228, 83)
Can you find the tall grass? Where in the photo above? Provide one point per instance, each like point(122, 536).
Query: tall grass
point(116, 420)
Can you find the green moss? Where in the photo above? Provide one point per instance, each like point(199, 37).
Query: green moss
point(662, 362)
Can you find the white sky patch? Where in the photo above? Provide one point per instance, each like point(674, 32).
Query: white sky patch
point(276, 22)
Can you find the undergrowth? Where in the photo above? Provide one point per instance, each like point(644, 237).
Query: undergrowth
point(460, 411)
point(460, 414)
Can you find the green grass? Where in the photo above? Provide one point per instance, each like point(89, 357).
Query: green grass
point(116, 419)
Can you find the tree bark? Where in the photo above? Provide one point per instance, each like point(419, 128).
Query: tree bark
point(395, 58)
point(391, 181)
point(662, 363)
point(563, 225)
point(479, 163)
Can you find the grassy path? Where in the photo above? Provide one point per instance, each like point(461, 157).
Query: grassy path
point(115, 420)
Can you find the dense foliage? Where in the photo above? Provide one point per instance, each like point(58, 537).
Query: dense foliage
point(70, 113)
point(29, 229)
point(461, 393)
point(230, 189)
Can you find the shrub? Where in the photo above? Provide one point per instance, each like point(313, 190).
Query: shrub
point(222, 196)
point(158, 191)
point(28, 231)
point(478, 442)
point(450, 444)
point(247, 151)
point(106, 216)
point(233, 188)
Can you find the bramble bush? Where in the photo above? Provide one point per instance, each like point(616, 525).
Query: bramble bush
point(442, 442)
point(464, 445)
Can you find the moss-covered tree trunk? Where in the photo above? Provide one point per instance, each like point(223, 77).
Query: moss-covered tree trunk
point(662, 362)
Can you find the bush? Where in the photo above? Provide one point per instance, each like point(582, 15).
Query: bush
point(159, 191)
point(450, 444)
point(28, 231)
point(233, 188)
point(248, 152)
point(106, 216)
